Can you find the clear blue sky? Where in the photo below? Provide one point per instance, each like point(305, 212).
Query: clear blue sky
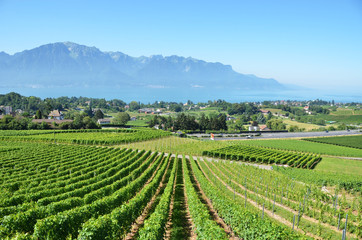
point(305, 42)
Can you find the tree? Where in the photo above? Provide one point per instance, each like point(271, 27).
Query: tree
point(44, 125)
point(98, 114)
point(33, 125)
point(175, 107)
point(239, 125)
point(276, 124)
point(121, 119)
point(89, 123)
point(25, 114)
point(38, 114)
point(89, 111)
point(66, 125)
point(342, 127)
point(261, 119)
point(133, 106)
point(169, 123)
point(222, 122)
point(294, 128)
point(320, 122)
point(204, 122)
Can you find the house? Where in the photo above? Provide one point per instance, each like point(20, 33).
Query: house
point(56, 114)
point(306, 109)
point(264, 128)
point(104, 121)
point(253, 128)
point(264, 112)
point(158, 111)
point(133, 119)
point(145, 110)
point(7, 110)
point(19, 111)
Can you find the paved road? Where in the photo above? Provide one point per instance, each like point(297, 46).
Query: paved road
point(290, 135)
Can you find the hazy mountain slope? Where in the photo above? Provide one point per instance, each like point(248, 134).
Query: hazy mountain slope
point(70, 64)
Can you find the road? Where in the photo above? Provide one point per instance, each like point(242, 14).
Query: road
point(287, 135)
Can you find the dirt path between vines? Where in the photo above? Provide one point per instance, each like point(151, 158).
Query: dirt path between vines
point(140, 220)
point(317, 210)
point(285, 207)
point(268, 212)
point(168, 226)
point(188, 215)
point(205, 200)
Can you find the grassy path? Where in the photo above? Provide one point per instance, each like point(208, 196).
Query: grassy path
point(213, 213)
point(181, 221)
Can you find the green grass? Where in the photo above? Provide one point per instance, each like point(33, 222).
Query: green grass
point(306, 146)
point(338, 165)
point(180, 228)
point(346, 111)
point(138, 123)
point(207, 112)
point(348, 119)
point(330, 172)
point(347, 141)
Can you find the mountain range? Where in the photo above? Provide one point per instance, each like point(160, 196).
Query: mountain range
point(67, 64)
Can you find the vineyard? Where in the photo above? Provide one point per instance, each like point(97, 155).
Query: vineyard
point(265, 155)
point(306, 146)
point(88, 137)
point(78, 191)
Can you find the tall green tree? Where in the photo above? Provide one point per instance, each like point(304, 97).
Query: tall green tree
point(38, 114)
point(261, 119)
point(133, 106)
point(98, 114)
point(204, 122)
point(276, 124)
point(121, 119)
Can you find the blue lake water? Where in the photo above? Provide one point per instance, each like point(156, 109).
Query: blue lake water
point(146, 95)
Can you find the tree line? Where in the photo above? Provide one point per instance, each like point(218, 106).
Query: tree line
point(188, 122)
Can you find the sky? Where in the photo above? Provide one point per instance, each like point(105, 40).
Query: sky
point(310, 43)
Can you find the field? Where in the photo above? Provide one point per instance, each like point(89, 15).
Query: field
point(90, 137)
point(160, 187)
point(346, 111)
point(306, 126)
point(341, 115)
point(350, 141)
point(265, 155)
point(341, 118)
point(306, 146)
